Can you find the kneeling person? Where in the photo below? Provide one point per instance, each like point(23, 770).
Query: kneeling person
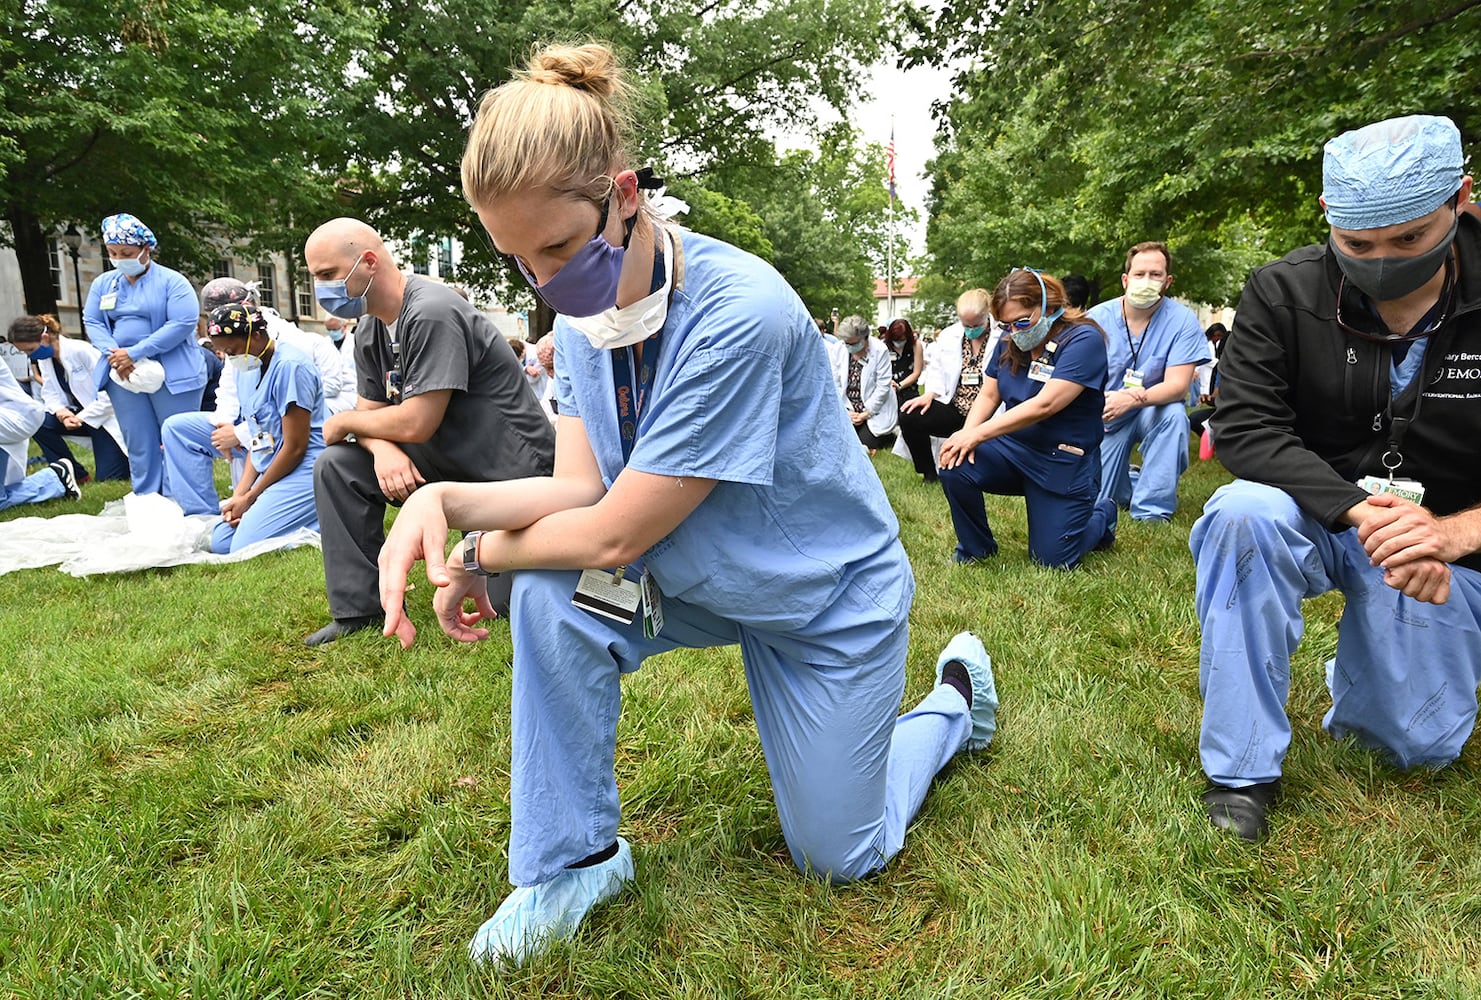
point(283, 403)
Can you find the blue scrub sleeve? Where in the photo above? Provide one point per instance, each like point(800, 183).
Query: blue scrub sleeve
point(181, 313)
point(565, 397)
point(1189, 346)
point(1082, 360)
point(715, 417)
point(301, 387)
point(99, 331)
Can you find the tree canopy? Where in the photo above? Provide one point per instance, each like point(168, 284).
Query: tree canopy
point(1082, 128)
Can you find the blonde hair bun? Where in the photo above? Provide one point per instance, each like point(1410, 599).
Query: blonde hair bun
point(592, 68)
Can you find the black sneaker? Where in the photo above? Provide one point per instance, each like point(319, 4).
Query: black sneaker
point(68, 475)
point(341, 627)
point(1243, 811)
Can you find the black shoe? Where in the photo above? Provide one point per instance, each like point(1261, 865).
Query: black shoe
point(67, 473)
point(342, 627)
point(1241, 811)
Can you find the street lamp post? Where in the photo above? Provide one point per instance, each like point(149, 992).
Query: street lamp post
point(73, 239)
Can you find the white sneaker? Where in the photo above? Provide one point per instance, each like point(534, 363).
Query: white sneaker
point(68, 475)
point(533, 918)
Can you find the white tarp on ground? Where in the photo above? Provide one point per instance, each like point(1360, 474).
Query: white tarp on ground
point(137, 532)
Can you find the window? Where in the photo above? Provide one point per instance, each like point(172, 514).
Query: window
point(58, 251)
point(221, 269)
point(306, 304)
point(419, 262)
point(267, 285)
point(446, 264)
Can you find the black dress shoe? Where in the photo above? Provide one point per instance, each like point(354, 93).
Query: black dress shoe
point(1242, 811)
point(342, 627)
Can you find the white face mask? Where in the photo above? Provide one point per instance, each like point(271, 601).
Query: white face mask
point(1143, 292)
point(243, 362)
point(632, 324)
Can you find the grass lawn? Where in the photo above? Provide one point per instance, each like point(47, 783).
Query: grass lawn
point(196, 805)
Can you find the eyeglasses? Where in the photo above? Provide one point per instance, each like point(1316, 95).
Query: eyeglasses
point(1017, 324)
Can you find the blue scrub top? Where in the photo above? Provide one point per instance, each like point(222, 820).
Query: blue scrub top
point(798, 536)
point(153, 317)
point(290, 379)
point(1079, 357)
point(1172, 338)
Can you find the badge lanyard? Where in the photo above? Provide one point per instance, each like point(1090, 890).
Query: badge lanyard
point(632, 395)
point(1135, 348)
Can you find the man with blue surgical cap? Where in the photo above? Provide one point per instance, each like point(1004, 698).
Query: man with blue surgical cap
point(1350, 408)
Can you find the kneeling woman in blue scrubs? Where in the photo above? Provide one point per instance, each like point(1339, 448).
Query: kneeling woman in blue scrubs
point(282, 401)
point(708, 491)
point(1050, 373)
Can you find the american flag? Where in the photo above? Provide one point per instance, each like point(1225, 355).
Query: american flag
point(889, 162)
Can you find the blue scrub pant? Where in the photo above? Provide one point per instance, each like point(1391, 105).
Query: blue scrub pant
point(1061, 529)
point(1405, 676)
point(109, 460)
point(38, 487)
point(190, 460)
point(846, 774)
point(285, 506)
point(1162, 432)
point(142, 415)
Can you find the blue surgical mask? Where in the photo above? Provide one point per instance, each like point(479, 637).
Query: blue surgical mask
point(857, 348)
point(41, 353)
point(336, 299)
point(974, 332)
point(131, 267)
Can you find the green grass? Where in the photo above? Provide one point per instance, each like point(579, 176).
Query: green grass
point(195, 805)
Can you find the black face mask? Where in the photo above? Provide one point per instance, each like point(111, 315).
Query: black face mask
point(1384, 279)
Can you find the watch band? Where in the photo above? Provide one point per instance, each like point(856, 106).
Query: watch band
point(470, 555)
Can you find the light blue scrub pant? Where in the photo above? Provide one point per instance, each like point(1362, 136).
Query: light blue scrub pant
point(285, 506)
point(141, 416)
point(1405, 676)
point(1061, 529)
point(38, 487)
point(846, 774)
point(1162, 431)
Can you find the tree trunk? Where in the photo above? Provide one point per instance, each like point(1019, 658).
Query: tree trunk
point(541, 320)
point(33, 252)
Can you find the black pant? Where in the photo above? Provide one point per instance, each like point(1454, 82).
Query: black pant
point(352, 518)
point(917, 428)
point(872, 440)
point(108, 457)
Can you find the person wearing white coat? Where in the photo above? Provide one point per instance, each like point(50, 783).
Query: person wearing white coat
point(73, 403)
point(862, 371)
point(20, 415)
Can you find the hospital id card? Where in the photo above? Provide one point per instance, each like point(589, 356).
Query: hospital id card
point(1040, 372)
point(108, 301)
point(261, 441)
point(971, 378)
point(1132, 379)
point(609, 595)
point(652, 605)
point(1406, 489)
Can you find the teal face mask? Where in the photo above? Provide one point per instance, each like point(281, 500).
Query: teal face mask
point(974, 332)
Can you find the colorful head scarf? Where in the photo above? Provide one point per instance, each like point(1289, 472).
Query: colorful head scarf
point(125, 230)
point(237, 320)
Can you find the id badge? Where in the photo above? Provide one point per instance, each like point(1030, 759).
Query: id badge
point(393, 385)
point(1132, 379)
point(108, 301)
point(652, 605)
point(609, 595)
point(971, 378)
point(1406, 489)
point(1040, 372)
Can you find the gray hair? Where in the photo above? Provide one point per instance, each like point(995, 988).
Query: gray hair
point(852, 329)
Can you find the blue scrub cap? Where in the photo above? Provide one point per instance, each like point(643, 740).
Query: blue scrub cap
point(1391, 171)
point(125, 230)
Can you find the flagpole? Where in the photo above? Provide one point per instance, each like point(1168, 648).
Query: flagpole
point(890, 237)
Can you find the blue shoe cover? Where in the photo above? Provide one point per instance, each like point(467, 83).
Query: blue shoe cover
point(966, 647)
point(532, 918)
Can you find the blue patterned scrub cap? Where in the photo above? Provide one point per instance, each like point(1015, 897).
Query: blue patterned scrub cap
point(1391, 171)
point(125, 230)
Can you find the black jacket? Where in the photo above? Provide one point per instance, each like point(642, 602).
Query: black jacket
point(1304, 406)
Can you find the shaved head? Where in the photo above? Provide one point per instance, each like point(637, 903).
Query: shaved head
point(340, 241)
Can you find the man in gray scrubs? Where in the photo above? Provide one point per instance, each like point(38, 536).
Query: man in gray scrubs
point(442, 398)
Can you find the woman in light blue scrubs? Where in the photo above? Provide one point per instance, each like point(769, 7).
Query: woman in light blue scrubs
point(1050, 373)
point(143, 311)
point(708, 491)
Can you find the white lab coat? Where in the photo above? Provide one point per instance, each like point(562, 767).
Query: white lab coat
point(79, 359)
point(875, 389)
point(944, 361)
point(20, 416)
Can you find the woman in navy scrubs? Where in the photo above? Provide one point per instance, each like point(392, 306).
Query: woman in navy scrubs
point(1050, 373)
